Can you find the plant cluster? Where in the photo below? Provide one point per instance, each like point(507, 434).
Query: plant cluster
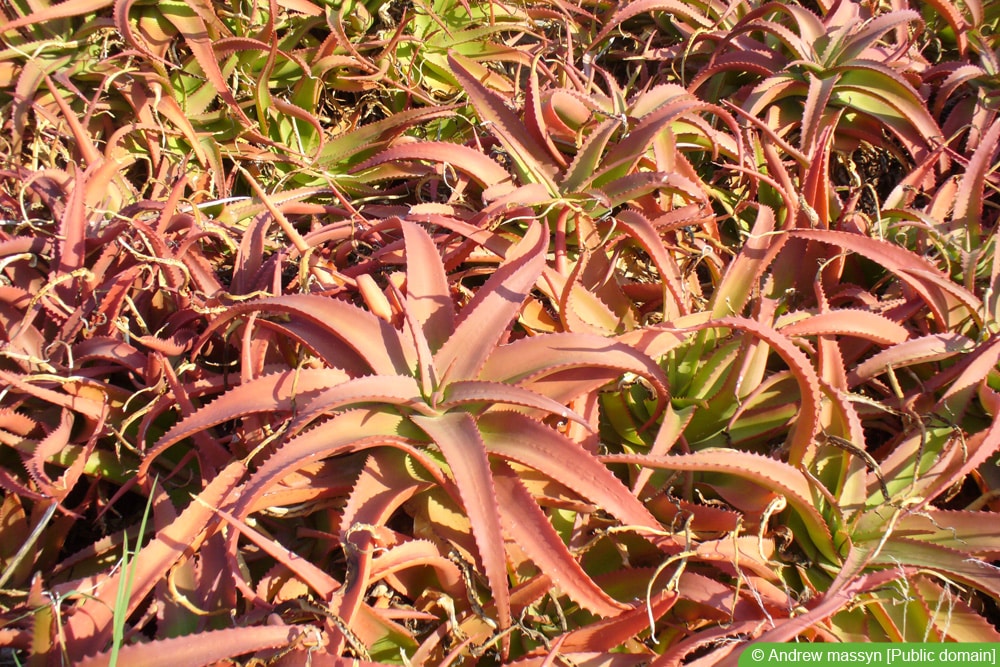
point(483, 332)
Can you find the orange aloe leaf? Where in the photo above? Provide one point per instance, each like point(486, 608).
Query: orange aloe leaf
point(463, 448)
point(269, 393)
point(484, 170)
point(933, 347)
point(208, 647)
point(486, 317)
point(428, 296)
point(528, 442)
point(530, 529)
point(849, 322)
point(62, 10)
point(464, 392)
point(529, 158)
point(776, 476)
point(943, 296)
point(89, 628)
point(640, 229)
point(563, 366)
point(744, 271)
point(362, 336)
point(610, 633)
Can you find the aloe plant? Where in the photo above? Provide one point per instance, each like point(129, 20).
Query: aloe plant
point(433, 382)
point(485, 333)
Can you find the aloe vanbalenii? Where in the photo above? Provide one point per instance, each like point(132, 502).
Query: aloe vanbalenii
point(840, 61)
point(577, 158)
point(448, 388)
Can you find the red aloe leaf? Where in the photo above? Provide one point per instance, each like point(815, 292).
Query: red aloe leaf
point(88, 629)
point(754, 257)
point(849, 322)
point(629, 187)
point(631, 9)
point(463, 448)
point(774, 475)
point(53, 442)
point(464, 392)
point(817, 189)
point(485, 319)
point(974, 450)
point(313, 577)
point(92, 157)
point(398, 390)
point(109, 349)
point(581, 309)
point(76, 402)
point(527, 526)
point(73, 225)
point(270, 393)
point(206, 648)
point(845, 590)
point(954, 564)
point(878, 90)
point(428, 295)
point(522, 439)
point(372, 340)
point(801, 443)
point(420, 553)
point(62, 10)
point(610, 633)
point(534, 117)
point(528, 156)
point(639, 228)
point(969, 200)
point(351, 431)
point(940, 293)
point(581, 171)
point(749, 61)
point(943, 527)
point(382, 487)
point(962, 623)
point(485, 171)
point(546, 364)
point(870, 32)
point(618, 161)
point(371, 136)
point(933, 347)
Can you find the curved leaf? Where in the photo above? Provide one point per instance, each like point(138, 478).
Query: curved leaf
point(529, 528)
point(777, 476)
point(269, 393)
point(485, 319)
point(462, 445)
